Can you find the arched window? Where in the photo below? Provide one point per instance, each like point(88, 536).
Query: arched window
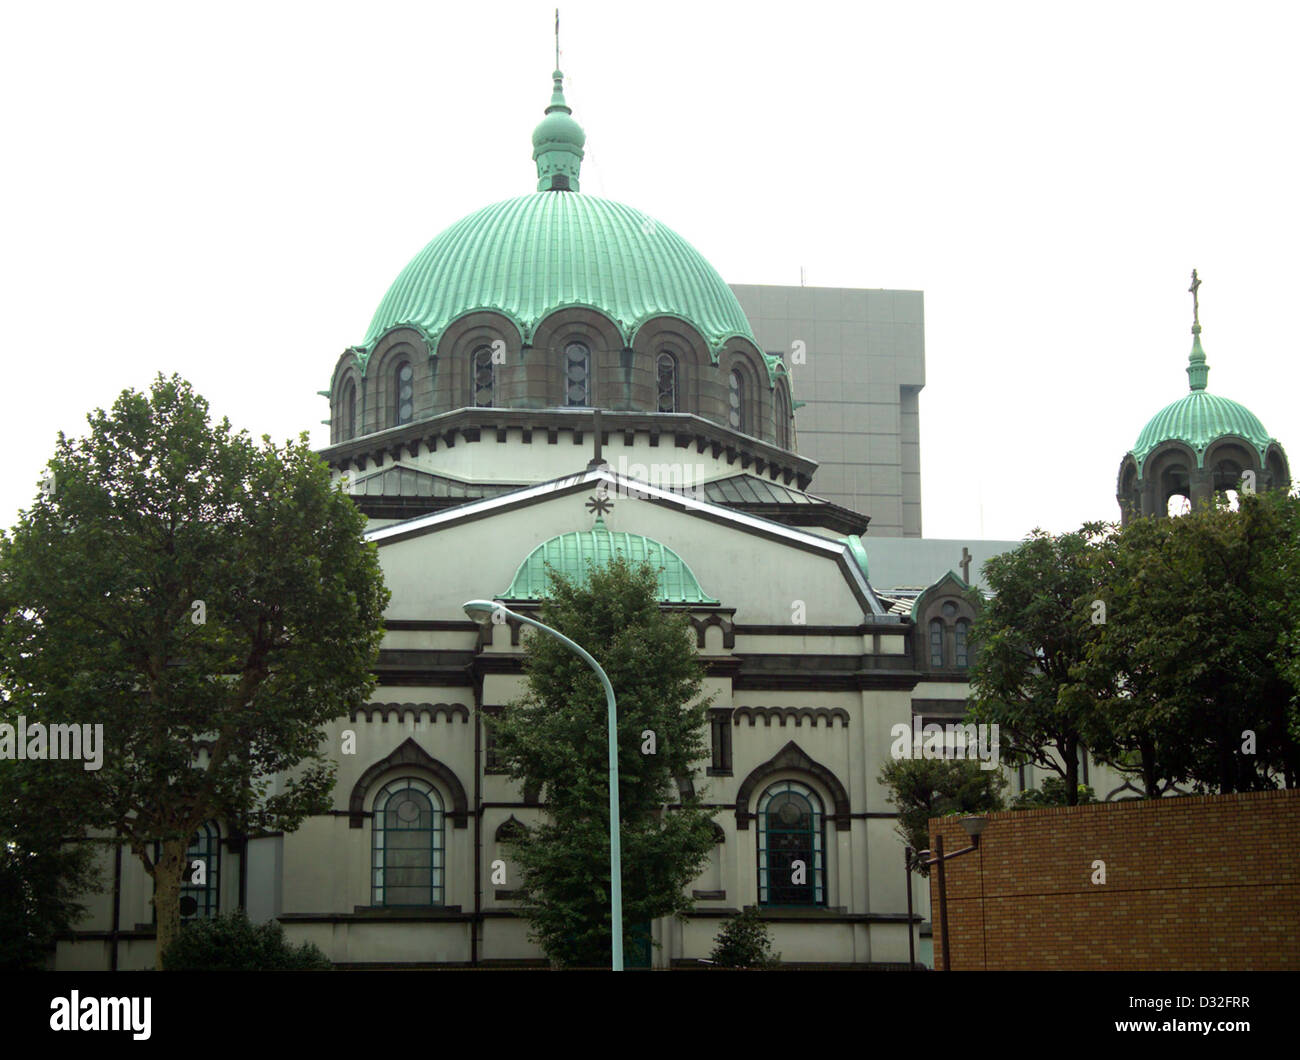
point(736, 411)
point(205, 848)
point(961, 643)
point(349, 410)
point(485, 378)
point(783, 416)
point(936, 643)
point(791, 846)
point(403, 393)
point(407, 868)
point(200, 883)
point(577, 375)
point(666, 372)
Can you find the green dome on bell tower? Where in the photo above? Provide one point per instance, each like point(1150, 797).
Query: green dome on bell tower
point(1197, 446)
point(1200, 418)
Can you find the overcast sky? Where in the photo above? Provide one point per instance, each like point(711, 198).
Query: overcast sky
point(227, 192)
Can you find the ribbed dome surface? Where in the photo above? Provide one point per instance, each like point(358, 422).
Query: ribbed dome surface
point(529, 256)
point(570, 554)
point(1199, 418)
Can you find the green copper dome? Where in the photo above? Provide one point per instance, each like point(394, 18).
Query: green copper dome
point(1199, 418)
point(571, 553)
point(529, 256)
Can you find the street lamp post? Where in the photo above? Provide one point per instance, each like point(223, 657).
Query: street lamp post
point(477, 609)
point(974, 826)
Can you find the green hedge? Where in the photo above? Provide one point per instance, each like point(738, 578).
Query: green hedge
point(233, 943)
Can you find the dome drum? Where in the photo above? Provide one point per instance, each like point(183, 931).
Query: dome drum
point(481, 361)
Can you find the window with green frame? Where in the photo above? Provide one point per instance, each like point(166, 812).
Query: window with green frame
point(408, 863)
point(199, 900)
point(791, 828)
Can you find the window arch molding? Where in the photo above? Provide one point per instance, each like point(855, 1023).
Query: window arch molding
point(413, 760)
point(671, 335)
point(346, 410)
point(783, 415)
point(792, 759)
point(455, 382)
point(756, 390)
point(382, 383)
point(599, 334)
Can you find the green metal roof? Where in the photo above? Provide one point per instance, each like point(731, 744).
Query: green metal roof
point(529, 256)
point(1199, 418)
point(571, 554)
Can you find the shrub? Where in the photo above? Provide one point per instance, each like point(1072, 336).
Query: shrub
point(233, 943)
point(1052, 793)
point(743, 942)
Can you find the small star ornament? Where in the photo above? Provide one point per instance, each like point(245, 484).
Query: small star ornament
point(600, 504)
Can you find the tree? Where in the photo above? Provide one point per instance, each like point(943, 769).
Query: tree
point(1195, 668)
point(209, 602)
point(922, 788)
point(554, 740)
point(1032, 634)
point(41, 876)
point(744, 942)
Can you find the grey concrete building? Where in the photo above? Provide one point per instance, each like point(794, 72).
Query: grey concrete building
point(857, 362)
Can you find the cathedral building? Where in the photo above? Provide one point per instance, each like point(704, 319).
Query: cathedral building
point(555, 378)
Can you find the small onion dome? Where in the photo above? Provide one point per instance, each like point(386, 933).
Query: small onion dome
point(557, 144)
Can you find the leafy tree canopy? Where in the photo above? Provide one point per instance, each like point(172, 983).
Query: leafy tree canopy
point(210, 602)
point(554, 740)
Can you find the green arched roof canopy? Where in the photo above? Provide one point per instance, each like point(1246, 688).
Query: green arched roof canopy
point(573, 553)
point(1200, 418)
point(529, 256)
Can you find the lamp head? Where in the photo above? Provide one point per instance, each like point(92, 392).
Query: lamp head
point(974, 825)
point(480, 609)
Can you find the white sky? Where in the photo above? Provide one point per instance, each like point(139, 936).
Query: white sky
point(228, 192)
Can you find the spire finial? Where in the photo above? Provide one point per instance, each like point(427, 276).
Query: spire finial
point(1198, 372)
point(558, 140)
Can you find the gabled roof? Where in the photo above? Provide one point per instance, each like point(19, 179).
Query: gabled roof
point(616, 484)
point(764, 497)
point(952, 579)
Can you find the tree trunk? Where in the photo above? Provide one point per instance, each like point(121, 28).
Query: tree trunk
point(1150, 781)
point(167, 893)
point(1071, 750)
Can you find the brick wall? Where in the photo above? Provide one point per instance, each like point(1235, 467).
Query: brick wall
point(1198, 883)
